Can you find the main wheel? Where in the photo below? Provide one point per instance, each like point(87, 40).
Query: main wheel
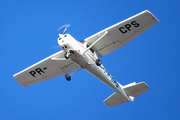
point(98, 62)
point(68, 77)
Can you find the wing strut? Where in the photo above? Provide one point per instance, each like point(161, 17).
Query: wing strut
point(96, 42)
point(59, 59)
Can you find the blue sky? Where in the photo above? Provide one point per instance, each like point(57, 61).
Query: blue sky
point(28, 34)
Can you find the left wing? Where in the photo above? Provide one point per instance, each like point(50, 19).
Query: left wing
point(45, 69)
point(121, 33)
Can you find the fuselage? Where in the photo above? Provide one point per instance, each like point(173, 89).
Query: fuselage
point(86, 60)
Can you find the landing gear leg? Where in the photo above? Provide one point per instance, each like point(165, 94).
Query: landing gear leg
point(98, 62)
point(68, 77)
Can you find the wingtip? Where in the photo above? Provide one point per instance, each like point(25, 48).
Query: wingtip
point(152, 15)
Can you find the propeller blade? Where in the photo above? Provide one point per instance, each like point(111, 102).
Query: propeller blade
point(63, 28)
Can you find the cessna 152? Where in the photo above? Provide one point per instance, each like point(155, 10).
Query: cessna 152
point(76, 55)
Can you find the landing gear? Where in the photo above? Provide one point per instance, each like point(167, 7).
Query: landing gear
point(66, 55)
point(98, 62)
point(68, 77)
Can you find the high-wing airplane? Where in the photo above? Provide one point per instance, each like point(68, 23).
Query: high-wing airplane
point(76, 55)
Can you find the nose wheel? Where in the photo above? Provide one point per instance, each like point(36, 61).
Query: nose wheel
point(68, 77)
point(66, 55)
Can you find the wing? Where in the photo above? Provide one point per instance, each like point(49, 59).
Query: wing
point(45, 69)
point(121, 33)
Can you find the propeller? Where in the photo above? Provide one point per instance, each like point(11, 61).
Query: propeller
point(63, 29)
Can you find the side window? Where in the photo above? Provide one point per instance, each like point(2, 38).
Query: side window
point(90, 49)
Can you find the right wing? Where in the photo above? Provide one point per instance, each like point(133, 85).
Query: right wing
point(121, 33)
point(45, 69)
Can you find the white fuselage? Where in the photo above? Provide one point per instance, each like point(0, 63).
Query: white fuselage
point(87, 61)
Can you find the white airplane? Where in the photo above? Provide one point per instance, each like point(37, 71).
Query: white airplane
point(76, 55)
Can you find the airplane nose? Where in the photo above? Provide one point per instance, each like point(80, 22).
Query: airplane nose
point(60, 36)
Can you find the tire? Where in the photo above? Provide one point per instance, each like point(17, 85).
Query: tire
point(68, 77)
point(98, 62)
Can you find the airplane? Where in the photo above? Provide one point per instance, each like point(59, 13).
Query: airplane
point(76, 55)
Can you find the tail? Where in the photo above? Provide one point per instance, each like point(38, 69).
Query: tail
point(131, 90)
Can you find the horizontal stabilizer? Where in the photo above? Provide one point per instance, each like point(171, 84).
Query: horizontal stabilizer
point(135, 89)
point(115, 99)
point(132, 90)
